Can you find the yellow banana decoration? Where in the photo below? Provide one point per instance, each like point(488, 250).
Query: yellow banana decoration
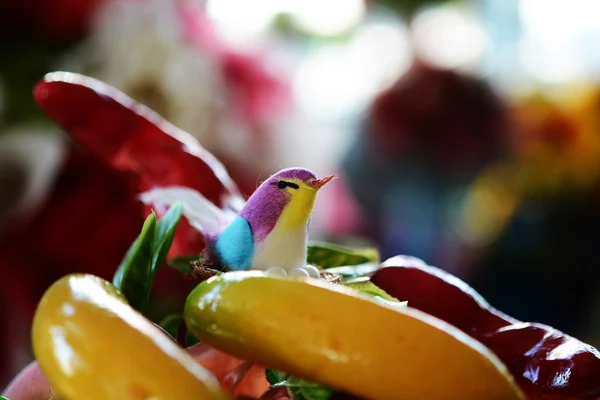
point(91, 345)
point(330, 334)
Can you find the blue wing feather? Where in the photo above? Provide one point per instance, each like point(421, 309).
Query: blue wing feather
point(235, 245)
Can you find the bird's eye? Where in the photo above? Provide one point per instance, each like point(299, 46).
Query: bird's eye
point(284, 184)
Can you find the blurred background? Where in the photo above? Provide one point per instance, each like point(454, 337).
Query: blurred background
point(466, 133)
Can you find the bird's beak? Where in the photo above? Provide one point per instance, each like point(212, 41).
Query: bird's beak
point(319, 183)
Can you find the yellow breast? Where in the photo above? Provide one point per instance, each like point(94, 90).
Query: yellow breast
point(297, 213)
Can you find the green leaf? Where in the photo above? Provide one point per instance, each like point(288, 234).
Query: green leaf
point(274, 377)
point(3, 398)
point(302, 390)
point(326, 255)
point(165, 232)
point(146, 255)
point(171, 325)
point(364, 285)
point(182, 263)
point(133, 277)
point(353, 271)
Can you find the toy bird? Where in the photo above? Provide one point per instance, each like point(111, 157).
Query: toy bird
point(270, 231)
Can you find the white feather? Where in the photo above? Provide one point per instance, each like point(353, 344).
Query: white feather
point(202, 214)
point(285, 248)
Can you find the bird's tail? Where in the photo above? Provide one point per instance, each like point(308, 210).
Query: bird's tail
point(201, 213)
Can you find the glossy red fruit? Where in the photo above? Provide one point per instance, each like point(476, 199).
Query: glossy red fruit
point(546, 363)
point(440, 294)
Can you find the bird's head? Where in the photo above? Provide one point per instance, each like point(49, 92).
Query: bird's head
point(287, 197)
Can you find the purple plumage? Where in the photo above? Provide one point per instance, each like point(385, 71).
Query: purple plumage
point(295, 173)
point(263, 208)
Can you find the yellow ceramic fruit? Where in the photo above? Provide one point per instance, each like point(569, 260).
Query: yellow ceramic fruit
point(331, 335)
point(91, 345)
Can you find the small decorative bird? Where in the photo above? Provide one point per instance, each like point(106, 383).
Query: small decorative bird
point(269, 233)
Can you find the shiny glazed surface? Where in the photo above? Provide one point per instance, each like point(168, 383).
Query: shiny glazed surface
point(325, 333)
point(546, 363)
point(91, 345)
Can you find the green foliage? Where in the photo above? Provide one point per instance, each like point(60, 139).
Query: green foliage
point(165, 233)
point(171, 324)
point(146, 255)
point(326, 255)
point(298, 389)
point(302, 390)
point(275, 377)
point(133, 277)
point(182, 263)
point(364, 285)
point(354, 271)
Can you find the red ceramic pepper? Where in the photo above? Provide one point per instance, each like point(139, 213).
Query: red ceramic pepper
point(547, 363)
point(134, 140)
point(131, 138)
